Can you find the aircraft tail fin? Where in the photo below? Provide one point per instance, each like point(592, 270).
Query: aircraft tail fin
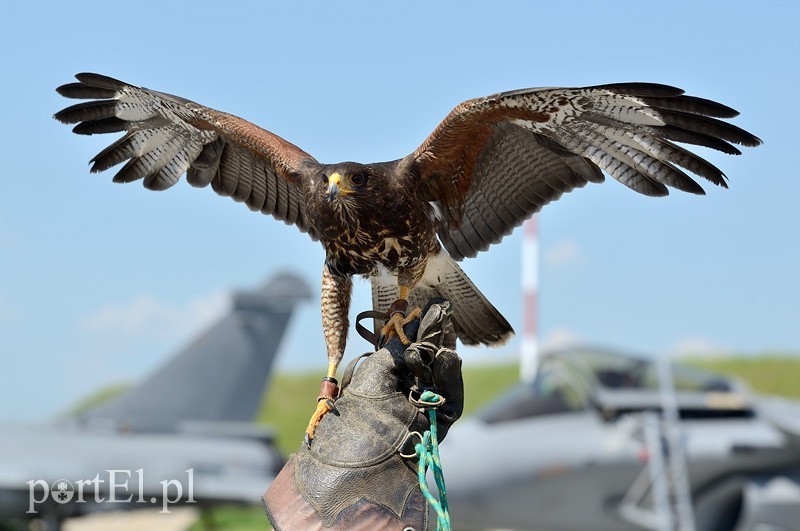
point(221, 375)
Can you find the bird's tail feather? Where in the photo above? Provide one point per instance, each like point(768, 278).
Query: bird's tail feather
point(475, 319)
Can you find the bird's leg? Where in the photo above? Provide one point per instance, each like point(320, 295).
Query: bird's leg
point(336, 292)
point(328, 393)
point(398, 318)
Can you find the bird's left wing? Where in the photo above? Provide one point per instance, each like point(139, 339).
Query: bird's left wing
point(167, 136)
point(495, 161)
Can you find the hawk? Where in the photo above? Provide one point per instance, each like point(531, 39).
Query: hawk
point(491, 164)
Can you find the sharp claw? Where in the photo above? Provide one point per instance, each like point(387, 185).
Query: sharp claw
point(394, 326)
point(323, 408)
point(398, 328)
point(307, 440)
point(331, 405)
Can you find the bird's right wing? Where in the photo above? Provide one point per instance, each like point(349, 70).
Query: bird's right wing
point(167, 136)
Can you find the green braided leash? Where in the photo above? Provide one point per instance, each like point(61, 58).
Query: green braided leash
point(428, 452)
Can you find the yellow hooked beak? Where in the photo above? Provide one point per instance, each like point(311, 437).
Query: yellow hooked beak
point(336, 186)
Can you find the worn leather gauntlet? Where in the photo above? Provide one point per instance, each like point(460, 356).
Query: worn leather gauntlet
point(352, 476)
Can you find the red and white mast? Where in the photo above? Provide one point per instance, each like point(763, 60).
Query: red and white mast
point(529, 351)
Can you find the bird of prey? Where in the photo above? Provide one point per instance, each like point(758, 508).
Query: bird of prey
point(491, 164)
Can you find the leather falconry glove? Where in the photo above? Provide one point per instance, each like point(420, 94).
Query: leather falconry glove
point(352, 475)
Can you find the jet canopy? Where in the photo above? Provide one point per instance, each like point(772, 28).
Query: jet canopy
point(612, 383)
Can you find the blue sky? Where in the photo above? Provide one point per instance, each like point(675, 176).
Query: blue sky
point(101, 281)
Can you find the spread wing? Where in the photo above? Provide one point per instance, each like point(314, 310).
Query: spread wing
point(495, 161)
point(167, 136)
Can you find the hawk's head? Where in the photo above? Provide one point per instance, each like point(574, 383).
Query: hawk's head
point(343, 187)
point(346, 197)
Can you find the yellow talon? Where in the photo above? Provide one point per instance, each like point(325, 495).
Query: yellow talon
point(396, 323)
point(324, 406)
point(329, 391)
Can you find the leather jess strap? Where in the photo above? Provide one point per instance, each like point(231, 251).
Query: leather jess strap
point(364, 332)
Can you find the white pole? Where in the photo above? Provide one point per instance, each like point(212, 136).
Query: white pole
point(529, 351)
point(659, 479)
point(676, 457)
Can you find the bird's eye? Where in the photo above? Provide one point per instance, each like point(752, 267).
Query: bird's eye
point(358, 179)
point(325, 179)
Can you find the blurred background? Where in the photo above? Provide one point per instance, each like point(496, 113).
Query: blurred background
point(101, 283)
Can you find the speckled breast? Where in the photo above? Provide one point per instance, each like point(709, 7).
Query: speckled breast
point(362, 254)
point(398, 234)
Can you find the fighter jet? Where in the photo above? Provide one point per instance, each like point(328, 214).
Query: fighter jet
point(184, 435)
point(576, 450)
